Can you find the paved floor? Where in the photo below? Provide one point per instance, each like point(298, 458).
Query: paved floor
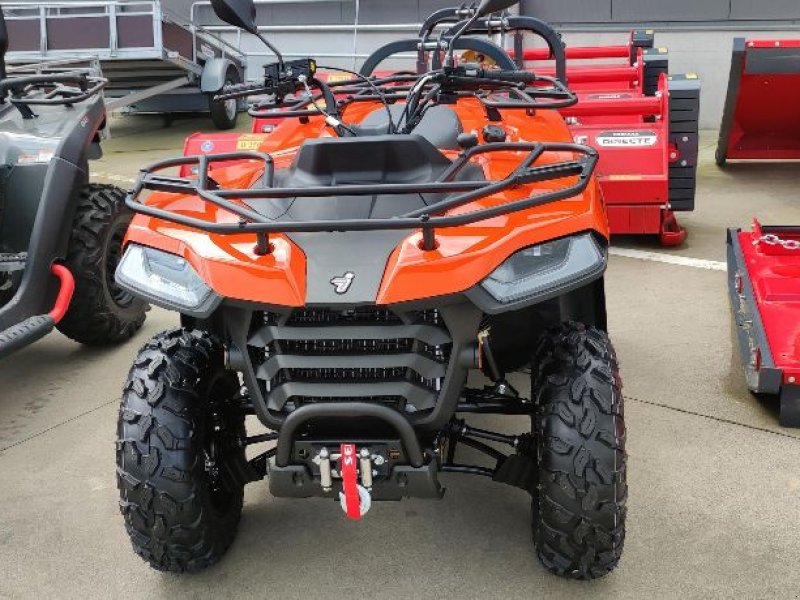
point(714, 506)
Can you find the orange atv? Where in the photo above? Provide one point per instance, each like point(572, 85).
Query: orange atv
point(340, 283)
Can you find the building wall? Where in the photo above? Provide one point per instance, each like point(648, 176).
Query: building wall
point(675, 11)
point(593, 12)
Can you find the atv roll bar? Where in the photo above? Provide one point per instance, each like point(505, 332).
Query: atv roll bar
point(428, 218)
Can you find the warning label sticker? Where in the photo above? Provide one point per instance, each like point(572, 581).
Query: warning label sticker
point(626, 139)
point(249, 142)
point(336, 77)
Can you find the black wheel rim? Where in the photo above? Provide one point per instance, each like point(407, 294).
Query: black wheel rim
point(121, 298)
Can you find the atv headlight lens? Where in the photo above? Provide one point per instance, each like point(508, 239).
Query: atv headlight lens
point(165, 279)
point(546, 269)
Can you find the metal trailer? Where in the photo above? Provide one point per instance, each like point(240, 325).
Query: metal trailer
point(155, 61)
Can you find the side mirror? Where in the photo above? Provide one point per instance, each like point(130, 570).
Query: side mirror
point(239, 13)
point(488, 7)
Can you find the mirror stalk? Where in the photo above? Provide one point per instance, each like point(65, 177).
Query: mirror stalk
point(272, 49)
point(450, 60)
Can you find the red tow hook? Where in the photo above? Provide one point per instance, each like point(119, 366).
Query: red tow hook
point(355, 499)
point(347, 466)
point(64, 293)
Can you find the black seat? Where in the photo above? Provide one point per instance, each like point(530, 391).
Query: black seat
point(373, 159)
point(440, 125)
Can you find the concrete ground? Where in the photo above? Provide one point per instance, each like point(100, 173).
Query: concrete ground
point(714, 482)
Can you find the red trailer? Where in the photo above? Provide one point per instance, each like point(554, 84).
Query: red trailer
point(760, 121)
point(764, 288)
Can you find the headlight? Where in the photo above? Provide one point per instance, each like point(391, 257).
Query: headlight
point(166, 280)
point(546, 270)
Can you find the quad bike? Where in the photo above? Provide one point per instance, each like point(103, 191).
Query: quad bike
point(764, 264)
point(341, 280)
point(60, 235)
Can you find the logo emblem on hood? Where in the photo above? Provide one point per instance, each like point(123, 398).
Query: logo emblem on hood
point(342, 283)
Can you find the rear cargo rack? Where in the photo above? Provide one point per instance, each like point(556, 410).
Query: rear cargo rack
point(428, 218)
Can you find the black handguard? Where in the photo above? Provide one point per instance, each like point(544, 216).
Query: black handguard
point(472, 75)
point(280, 79)
point(241, 90)
point(525, 77)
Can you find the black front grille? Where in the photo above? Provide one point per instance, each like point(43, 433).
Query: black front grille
point(327, 316)
point(362, 354)
point(345, 375)
point(349, 346)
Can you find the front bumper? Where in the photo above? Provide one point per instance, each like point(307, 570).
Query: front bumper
point(401, 468)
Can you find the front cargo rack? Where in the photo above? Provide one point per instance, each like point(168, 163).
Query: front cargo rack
point(428, 218)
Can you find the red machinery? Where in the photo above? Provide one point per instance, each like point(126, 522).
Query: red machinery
point(758, 122)
point(645, 125)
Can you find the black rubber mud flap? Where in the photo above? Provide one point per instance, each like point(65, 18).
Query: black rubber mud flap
point(28, 331)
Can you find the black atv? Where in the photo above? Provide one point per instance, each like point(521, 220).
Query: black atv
point(60, 236)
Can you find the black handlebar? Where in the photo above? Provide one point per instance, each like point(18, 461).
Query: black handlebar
point(240, 90)
point(272, 110)
point(524, 77)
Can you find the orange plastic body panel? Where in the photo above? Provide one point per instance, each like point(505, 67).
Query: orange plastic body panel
point(464, 256)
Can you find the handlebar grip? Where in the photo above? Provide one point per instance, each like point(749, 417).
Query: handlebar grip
point(239, 90)
point(512, 76)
